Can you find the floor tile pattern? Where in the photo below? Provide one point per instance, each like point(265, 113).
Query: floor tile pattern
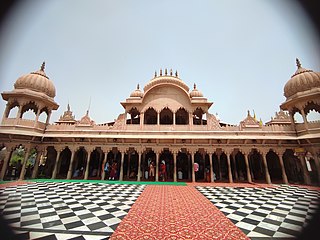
point(65, 210)
point(175, 212)
point(280, 212)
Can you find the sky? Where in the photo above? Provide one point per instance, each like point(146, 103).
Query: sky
point(240, 54)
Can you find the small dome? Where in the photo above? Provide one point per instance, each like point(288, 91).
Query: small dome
point(195, 92)
point(137, 92)
point(37, 81)
point(302, 80)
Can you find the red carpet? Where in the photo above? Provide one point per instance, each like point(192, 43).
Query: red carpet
point(175, 212)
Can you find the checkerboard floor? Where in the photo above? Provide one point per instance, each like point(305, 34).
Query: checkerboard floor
point(264, 213)
point(62, 210)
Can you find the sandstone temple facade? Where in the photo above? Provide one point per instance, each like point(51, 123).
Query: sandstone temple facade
point(163, 122)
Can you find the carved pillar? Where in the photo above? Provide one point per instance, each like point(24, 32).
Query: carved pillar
point(36, 164)
point(71, 164)
point(25, 160)
point(247, 168)
point(103, 175)
point(211, 167)
point(5, 163)
point(174, 166)
point(86, 174)
point(266, 170)
point(283, 171)
point(192, 167)
point(229, 168)
point(54, 173)
point(121, 166)
point(139, 166)
point(157, 166)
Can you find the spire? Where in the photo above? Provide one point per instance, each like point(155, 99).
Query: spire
point(43, 66)
point(298, 63)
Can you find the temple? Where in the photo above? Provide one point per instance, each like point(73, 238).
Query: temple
point(163, 124)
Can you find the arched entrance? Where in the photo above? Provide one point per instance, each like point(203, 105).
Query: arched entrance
point(274, 167)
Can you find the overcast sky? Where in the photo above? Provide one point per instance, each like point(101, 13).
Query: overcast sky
point(239, 53)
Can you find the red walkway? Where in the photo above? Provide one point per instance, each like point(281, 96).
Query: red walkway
point(175, 212)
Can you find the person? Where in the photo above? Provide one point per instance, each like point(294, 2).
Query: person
point(151, 170)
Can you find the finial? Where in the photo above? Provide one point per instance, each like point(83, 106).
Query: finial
point(194, 86)
point(43, 66)
point(138, 86)
point(160, 72)
point(298, 63)
point(166, 72)
point(155, 74)
point(176, 73)
point(171, 72)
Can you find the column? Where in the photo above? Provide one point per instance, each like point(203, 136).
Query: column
point(192, 167)
point(157, 166)
point(211, 167)
point(70, 165)
point(174, 166)
point(283, 171)
point(36, 164)
point(306, 176)
point(103, 175)
point(247, 168)
point(139, 166)
point(266, 170)
point(55, 170)
point(25, 160)
point(121, 166)
point(86, 174)
point(5, 164)
point(229, 168)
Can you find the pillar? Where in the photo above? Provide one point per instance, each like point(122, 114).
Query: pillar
point(36, 165)
point(266, 170)
point(55, 170)
point(192, 167)
point(157, 166)
point(86, 174)
point(25, 160)
point(121, 166)
point(5, 164)
point(103, 175)
point(174, 166)
point(229, 168)
point(71, 164)
point(211, 167)
point(139, 166)
point(247, 168)
point(283, 171)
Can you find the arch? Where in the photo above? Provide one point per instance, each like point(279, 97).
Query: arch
point(293, 167)
point(166, 156)
point(274, 167)
point(29, 111)
point(64, 162)
point(198, 117)
point(150, 116)
point(133, 116)
point(166, 116)
point(182, 117)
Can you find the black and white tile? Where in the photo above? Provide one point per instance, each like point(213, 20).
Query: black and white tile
point(280, 212)
point(63, 210)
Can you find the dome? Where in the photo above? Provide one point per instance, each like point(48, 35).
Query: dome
point(137, 92)
point(195, 92)
point(302, 80)
point(37, 81)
